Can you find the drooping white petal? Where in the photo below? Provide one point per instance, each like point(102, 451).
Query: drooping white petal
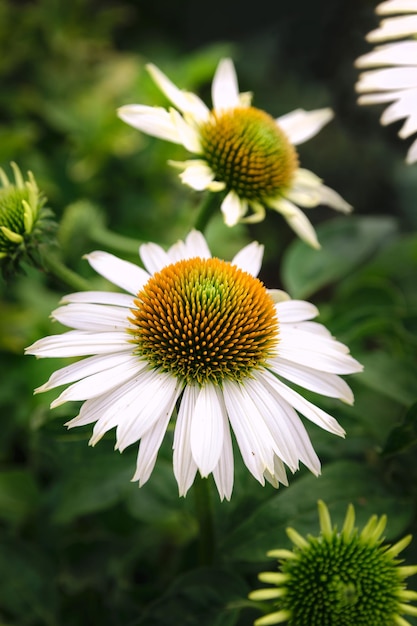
point(233, 208)
point(412, 153)
point(324, 383)
point(223, 473)
point(405, 106)
point(331, 198)
point(185, 468)
point(190, 137)
point(306, 408)
point(153, 257)
point(122, 273)
point(291, 311)
point(252, 435)
point(249, 258)
point(155, 393)
point(279, 475)
point(394, 28)
point(154, 121)
point(396, 6)
point(93, 317)
point(185, 101)
point(207, 429)
point(151, 442)
point(80, 343)
point(197, 175)
point(100, 297)
point(85, 367)
point(300, 125)
point(99, 383)
point(225, 88)
point(297, 220)
point(388, 78)
point(398, 53)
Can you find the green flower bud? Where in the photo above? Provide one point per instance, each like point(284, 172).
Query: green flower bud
point(346, 578)
point(25, 222)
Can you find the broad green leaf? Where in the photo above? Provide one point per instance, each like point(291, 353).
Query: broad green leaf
point(19, 495)
point(390, 376)
point(403, 436)
point(341, 483)
point(346, 243)
point(204, 597)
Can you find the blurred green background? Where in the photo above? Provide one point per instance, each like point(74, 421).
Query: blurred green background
point(79, 543)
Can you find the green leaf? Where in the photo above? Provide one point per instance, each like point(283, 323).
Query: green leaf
point(19, 495)
point(205, 597)
point(346, 243)
point(403, 436)
point(341, 483)
point(389, 376)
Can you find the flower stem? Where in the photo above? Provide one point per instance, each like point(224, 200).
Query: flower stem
point(56, 268)
point(108, 239)
point(206, 212)
point(205, 520)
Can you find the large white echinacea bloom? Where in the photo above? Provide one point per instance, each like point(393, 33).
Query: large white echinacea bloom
point(204, 336)
point(242, 151)
point(395, 79)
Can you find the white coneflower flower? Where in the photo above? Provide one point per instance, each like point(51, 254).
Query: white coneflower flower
point(242, 150)
point(396, 79)
point(206, 336)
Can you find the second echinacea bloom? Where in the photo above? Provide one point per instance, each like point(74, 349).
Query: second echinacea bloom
point(241, 150)
point(394, 75)
point(205, 336)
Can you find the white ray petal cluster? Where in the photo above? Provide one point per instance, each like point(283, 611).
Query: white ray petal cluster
point(184, 124)
point(119, 388)
point(394, 77)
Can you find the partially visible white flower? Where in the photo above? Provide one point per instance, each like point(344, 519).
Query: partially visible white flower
point(395, 80)
point(205, 336)
point(242, 150)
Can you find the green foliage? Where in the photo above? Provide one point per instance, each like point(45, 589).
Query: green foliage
point(80, 543)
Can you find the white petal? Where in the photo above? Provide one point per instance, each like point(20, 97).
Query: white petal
point(297, 220)
point(185, 468)
point(154, 121)
point(194, 246)
point(224, 470)
point(190, 138)
point(279, 475)
point(405, 106)
point(197, 175)
point(389, 78)
point(207, 430)
point(101, 382)
point(85, 367)
point(393, 28)
point(100, 297)
point(154, 395)
point(326, 384)
point(80, 343)
point(153, 257)
point(412, 153)
point(300, 125)
point(93, 317)
point(225, 88)
point(184, 101)
point(252, 435)
point(291, 311)
point(151, 442)
point(398, 53)
point(249, 258)
point(331, 198)
point(309, 410)
point(396, 6)
point(126, 275)
point(233, 208)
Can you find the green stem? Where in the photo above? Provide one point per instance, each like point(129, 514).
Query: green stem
point(108, 239)
point(206, 211)
point(56, 268)
point(205, 520)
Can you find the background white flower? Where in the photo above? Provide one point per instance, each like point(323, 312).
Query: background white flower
point(242, 150)
point(396, 79)
point(206, 336)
